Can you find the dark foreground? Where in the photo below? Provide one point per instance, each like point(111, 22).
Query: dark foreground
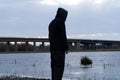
point(19, 78)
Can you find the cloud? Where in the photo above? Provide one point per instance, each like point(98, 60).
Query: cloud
point(88, 17)
point(49, 2)
point(61, 2)
point(42, 36)
point(100, 36)
point(94, 4)
point(98, 2)
point(70, 2)
point(103, 36)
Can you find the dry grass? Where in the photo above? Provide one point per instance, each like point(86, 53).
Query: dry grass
point(20, 78)
point(86, 61)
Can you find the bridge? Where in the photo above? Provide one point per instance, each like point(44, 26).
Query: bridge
point(42, 44)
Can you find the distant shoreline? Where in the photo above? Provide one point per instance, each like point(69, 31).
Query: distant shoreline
point(97, 50)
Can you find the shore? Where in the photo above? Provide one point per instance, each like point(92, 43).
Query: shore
point(21, 78)
point(89, 50)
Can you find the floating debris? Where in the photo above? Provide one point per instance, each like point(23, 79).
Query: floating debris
point(86, 61)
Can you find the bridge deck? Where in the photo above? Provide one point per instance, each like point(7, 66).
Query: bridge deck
point(21, 39)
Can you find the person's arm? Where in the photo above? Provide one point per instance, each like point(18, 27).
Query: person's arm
point(63, 32)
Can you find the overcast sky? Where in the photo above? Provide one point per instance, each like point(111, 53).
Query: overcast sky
point(87, 19)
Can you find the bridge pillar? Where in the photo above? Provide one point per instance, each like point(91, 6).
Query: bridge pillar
point(26, 46)
point(8, 46)
point(103, 45)
point(107, 45)
point(43, 44)
point(77, 45)
point(16, 46)
point(34, 46)
point(70, 45)
point(93, 46)
point(118, 45)
point(86, 46)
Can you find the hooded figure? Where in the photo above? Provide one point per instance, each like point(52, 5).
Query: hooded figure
point(58, 43)
point(57, 32)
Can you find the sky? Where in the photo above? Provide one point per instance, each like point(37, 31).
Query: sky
point(87, 19)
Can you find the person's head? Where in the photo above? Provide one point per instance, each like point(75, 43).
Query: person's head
point(62, 13)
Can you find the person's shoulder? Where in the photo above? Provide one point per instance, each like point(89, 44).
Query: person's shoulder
point(57, 22)
point(53, 22)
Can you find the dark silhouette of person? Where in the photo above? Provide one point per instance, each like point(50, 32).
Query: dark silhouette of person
point(58, 44)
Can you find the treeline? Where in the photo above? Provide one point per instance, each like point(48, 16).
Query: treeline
point(18, 47)
point(23, 47)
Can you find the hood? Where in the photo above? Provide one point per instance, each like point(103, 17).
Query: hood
point(62, 14)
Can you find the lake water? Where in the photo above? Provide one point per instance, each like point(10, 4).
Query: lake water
point(106, 65)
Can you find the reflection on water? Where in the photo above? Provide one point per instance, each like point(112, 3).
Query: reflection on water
point(105, 65)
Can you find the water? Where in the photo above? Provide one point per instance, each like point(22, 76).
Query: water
point(105, 65)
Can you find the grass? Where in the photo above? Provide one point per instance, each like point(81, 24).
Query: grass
point(86, 61)
point(12, 77)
